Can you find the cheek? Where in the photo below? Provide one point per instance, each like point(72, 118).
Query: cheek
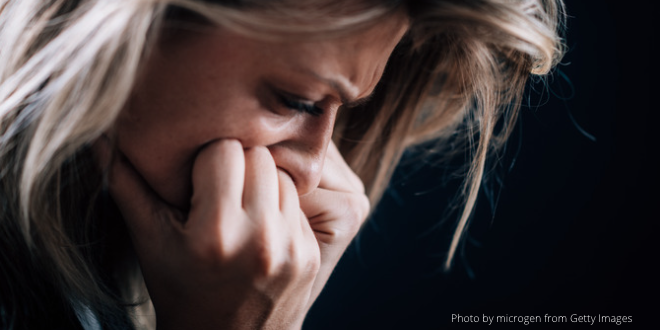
point(185, 97)
point(160, 150)
point(161, 134)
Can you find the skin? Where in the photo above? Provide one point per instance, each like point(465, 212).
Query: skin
point(239, 206)
point(201, 87)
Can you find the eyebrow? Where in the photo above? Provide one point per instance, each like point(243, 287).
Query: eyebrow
point(342, 89)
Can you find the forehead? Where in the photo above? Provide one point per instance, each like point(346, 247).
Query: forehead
point(353, 59)
point(356, 59)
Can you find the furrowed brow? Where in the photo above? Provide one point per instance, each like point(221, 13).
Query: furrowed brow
point(342, 89)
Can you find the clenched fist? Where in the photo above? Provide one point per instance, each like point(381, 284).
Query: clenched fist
point(250, 253)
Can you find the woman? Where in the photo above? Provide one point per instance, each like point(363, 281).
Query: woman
point(224, 153)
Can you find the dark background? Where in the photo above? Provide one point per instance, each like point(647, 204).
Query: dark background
point(575, 222)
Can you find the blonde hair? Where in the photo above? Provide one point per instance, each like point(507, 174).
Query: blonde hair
point(67, 68)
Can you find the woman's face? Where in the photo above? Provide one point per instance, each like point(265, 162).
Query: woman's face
point(197, 87)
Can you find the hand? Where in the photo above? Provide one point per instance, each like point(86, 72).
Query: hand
point(245, 257)
point(336, 211)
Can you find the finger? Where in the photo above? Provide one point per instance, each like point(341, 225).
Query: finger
point(261, 192)
point(297, 224)
point(342, 220)
point(334, 177)
point(217, 178)
point(337, 175)
point(289, 202)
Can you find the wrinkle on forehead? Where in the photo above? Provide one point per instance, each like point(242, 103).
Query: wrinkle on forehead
point(353, 62)
point(360, 59)
point(372, 50)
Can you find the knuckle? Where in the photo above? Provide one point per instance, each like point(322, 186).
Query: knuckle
point(356, 212)
point(303, 262)
point(207, 251)
point(313, 263)
point(264, 257)
point(217, 243)
point(360, 185)
point(293, 265)
point(358, 208)
point(258, 217)
point(272, 260)
point(266, 266)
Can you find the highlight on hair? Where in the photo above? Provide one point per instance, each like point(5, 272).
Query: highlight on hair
point(67, 68)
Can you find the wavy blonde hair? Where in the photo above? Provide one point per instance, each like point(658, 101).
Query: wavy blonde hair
point(67, 68)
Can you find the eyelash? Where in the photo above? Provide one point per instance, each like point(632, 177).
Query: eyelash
point(297, 105)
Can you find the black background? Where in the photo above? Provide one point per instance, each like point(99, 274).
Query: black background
point(575, 224)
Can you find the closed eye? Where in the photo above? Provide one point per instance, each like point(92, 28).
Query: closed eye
point(300, 105)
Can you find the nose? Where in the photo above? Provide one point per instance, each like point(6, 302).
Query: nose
point(302, 150)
